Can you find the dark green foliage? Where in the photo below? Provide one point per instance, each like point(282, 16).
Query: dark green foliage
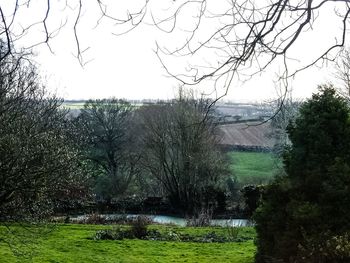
point(325, 247)
point(109, 144)
point(106, 235)
point(119, 233)
point(312, 199)
point(138, 229)
point(251, 195)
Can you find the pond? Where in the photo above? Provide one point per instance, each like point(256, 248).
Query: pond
point(161, 219)
point(214, 222)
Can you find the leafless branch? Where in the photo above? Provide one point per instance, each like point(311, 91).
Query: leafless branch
point(236, 38)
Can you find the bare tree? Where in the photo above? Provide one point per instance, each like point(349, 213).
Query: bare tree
point(53, 16)
point(343, 73)
point(181, 151)
point(39, 165)
point(250, 36)
point(287, 111)
point(236, 38)
point(109, 144)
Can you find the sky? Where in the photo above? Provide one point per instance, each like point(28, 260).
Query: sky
point(126, 66)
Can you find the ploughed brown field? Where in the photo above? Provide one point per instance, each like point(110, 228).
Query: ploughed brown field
point(247, 134)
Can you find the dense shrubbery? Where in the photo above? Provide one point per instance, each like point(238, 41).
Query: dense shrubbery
point(40, 167)
point(305, 213)
point(119, 233)
point(326, 247)
point(251, 195)
point(139, 226)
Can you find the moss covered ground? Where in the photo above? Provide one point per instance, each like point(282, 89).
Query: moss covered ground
point(73, 243)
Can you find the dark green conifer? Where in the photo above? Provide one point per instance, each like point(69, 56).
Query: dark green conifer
point(310, 204)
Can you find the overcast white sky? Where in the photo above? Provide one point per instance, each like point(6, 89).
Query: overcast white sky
point(126, 66)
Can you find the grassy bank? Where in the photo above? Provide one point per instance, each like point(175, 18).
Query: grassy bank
point(73, 243)
point(253, 167)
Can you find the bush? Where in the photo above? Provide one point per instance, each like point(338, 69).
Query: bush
point(325, 248)
point(139, 226)
point(170, 235)
point(251, 194)
point(104, 235)
point(113, 234)
point(95, 219)
point(233, 232)
point(202, 219)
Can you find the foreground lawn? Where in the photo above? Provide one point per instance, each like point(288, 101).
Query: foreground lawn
point(253, 167)
point(73, 243)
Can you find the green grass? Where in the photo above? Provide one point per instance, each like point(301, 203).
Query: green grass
point(71, 243)
point(253, 167)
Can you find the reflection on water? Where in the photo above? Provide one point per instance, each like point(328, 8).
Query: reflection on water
point(214, 222)
point(171, 220)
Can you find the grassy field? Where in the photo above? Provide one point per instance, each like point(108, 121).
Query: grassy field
point(73, 243)
point(253, 167)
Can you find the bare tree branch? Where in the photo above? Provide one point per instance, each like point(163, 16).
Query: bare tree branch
point(235, 39)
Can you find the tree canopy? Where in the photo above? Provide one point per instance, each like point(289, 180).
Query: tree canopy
point(105, 127)
point(181, 151)
point(308, 206)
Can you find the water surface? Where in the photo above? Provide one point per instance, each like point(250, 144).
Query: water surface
point(161, 219)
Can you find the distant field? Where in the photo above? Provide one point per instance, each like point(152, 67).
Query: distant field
point(80, 105)
point(253, 167)
point(73, 243)
point(247, 134)
point(73, 106)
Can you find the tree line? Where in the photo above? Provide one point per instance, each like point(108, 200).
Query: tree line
point(167, 149)
point(49, 158)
